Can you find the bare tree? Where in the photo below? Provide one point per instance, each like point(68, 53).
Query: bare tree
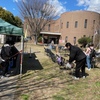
point(38, 14)
point(96, 36)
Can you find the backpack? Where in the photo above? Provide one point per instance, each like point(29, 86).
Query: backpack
point(5, 52)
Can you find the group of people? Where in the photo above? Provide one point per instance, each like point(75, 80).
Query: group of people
point(9, 52)
point(8, 58)
point(81, 58)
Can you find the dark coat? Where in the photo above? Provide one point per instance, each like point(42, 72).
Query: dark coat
point(76, 54)
point(6, 51)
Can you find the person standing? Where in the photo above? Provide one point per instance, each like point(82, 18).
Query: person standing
point(92, 54)
point(5, 55)
point(88, 58)
point(80, 58)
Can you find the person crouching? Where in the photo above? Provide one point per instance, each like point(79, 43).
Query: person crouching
point(77, 55)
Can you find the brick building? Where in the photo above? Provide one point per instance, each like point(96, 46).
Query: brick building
point(71, 26)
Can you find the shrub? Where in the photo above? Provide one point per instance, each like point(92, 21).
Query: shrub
point(40, 39)
point(84, 41)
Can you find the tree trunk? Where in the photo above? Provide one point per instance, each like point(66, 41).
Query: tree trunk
point(35, 40)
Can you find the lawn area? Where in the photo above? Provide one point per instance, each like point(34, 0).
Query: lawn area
point(43, 79)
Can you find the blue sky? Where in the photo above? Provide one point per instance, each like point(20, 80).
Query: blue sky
point(62, 5)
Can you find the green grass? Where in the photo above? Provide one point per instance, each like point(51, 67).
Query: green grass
point(51, 83)
point(97, 84)
point(58, 97)
point(25, 97)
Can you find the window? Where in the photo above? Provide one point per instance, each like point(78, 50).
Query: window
point(61, 25)
point(92, 38)
point(93, 22)
point(67, 24)
point(49, 27)
point(85, 23)
point(74, 40)
point(84, 35)
point(76, 24)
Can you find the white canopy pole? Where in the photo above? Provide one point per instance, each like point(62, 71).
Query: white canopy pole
point(21, 60)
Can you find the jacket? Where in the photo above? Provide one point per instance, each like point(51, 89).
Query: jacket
point(5, 52)
point(76, 54)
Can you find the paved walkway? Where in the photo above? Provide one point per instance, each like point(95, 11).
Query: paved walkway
point(8, 88)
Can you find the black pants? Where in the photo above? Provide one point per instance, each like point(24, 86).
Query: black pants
point(4, 67)
point(80, 65)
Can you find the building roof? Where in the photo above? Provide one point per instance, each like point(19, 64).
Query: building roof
point(50, 33)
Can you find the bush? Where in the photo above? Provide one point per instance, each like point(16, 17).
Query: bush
point(40, 39)
point(84, 41)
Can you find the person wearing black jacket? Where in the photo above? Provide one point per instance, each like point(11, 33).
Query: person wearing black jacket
point(80, 58)
point(5, 54)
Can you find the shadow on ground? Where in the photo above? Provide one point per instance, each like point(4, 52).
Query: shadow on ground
point(8, 88)
point(30, 62)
